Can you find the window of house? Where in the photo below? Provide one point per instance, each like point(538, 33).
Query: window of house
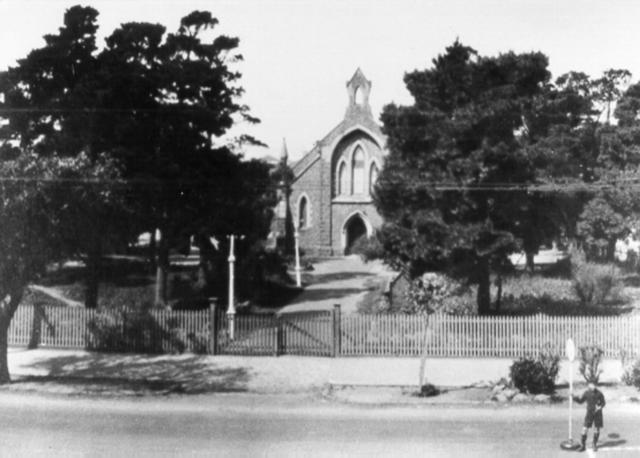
point(303, 217)
point(373, 177)
point(357, 170)
point(343, 179)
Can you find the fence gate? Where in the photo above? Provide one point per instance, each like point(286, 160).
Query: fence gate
point(303, 333)
point(308, 333)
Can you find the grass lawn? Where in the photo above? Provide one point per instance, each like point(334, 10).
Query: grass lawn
point(131, 281)
point(124, 282)
point(525, 294)
point(522, 294)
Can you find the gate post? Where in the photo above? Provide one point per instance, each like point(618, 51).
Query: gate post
point(336, 331)
point(213, 325)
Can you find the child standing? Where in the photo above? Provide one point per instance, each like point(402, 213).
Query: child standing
point(595, 402)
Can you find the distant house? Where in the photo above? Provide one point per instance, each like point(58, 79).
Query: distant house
point(627, 246)
point(331, 199)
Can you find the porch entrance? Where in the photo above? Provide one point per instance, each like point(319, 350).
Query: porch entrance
point(355, 228)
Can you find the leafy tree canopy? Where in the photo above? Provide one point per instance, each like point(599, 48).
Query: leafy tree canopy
point(455, 192)
point(157, 103)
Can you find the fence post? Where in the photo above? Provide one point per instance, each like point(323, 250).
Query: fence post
point(277, 351)
point(336, 331)
point(213, 326)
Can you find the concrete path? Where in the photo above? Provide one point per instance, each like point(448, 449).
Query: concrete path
point(343, 281)
point(264, 374)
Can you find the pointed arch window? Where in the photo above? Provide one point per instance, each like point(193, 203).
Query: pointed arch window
point(373, 177)
point(303, 213)
point(358, 172)
point(343, 179)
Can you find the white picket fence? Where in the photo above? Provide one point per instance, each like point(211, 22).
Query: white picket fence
point(324, 334)
point(473, 336)
point(71, 327)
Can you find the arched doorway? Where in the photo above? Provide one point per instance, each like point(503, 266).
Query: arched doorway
point(354, 229)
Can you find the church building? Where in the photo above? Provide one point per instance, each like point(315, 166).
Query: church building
point(331, 195)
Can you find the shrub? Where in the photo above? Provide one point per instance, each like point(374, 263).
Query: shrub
point(428, 390)
point(126, 330)
point(590, 359)
point(594, 283)
point(535, 375)
point(437, 293)
point(630, 369)
point(368, 248)
point(633, 375)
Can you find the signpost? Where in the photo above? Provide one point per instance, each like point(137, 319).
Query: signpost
point(570, 352)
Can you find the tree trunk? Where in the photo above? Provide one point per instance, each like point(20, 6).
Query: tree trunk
point(423, 358)
point(7, 310)
point(484, 286)
point(36, 326)
point(498, 302)
point(94, 268)
point(162, 269)
point(530, 263)
point(611, 251)
point(152, 250)
point(4, 366)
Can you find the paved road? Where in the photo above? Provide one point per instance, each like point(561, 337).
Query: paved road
point(248, 426)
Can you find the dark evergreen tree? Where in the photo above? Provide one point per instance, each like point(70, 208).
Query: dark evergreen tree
point(157, 104)
point(458, 190)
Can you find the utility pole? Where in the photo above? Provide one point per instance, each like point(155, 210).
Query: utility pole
point(231, 310)
point(297, 247)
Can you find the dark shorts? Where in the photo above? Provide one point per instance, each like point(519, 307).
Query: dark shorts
point(593, 419)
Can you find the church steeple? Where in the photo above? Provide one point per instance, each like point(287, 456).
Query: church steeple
point(284, 153)
point(358, 89)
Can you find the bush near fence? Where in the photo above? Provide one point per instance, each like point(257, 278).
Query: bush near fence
point(320, 333)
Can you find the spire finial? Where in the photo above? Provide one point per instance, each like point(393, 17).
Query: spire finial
point(284, 154)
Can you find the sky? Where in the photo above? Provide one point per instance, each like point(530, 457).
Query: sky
point(298, 54)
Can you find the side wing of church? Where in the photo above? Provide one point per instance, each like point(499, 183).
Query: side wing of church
point(331, 195)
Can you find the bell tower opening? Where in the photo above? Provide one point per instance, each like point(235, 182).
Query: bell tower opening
point(359, 97)
point(358, 88)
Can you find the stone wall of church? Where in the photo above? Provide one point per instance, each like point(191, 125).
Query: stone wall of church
point(316, 185)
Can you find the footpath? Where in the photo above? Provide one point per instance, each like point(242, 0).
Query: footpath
point(366, 381)
point(342, 281)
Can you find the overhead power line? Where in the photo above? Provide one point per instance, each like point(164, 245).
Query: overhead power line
point(426, 186)
point(163, 109)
